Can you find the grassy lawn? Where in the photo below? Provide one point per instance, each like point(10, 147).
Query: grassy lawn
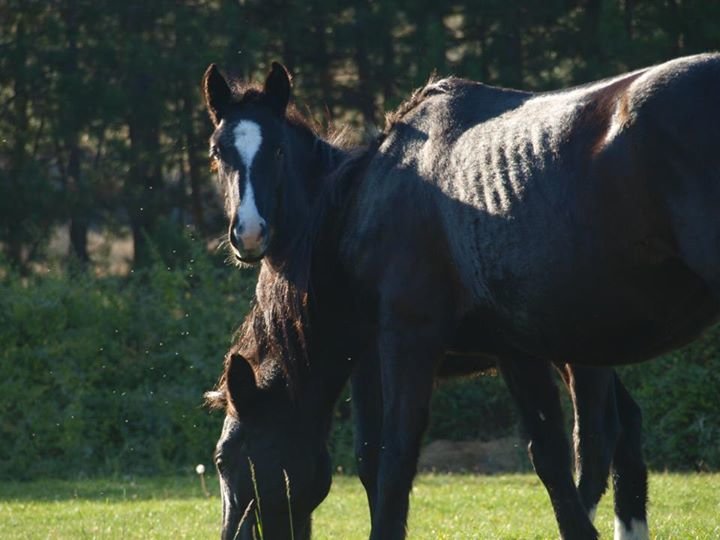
point(509, 506)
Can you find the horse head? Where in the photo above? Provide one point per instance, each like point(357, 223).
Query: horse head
point(266, 157)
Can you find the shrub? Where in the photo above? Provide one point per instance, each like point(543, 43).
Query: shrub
point(105, 375)
point(477, 407)
point(680, 399)
point(102, 375)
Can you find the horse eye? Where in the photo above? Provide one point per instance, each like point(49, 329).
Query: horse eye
point(220, 465)
point(279, 153)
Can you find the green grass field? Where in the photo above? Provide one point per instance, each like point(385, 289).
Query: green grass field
point(508, 506)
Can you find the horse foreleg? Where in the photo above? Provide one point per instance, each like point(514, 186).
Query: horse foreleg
point(408, 361)
point(367, 418)
point(531, 384)
point(629, 471)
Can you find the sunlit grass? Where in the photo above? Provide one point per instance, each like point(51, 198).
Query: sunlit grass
point(517, 507)
point(462, 506)
point(146, 508)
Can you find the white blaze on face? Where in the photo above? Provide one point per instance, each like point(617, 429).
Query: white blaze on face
point(248, 139)
point(638, 530)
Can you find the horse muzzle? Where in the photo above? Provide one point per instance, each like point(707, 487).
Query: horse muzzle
point(249, 243)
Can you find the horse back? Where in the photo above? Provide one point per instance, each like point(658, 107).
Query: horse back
point(548, 209)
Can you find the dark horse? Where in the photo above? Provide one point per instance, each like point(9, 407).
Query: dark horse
point(575, 225)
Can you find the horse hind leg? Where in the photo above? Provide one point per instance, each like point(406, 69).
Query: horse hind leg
point(596, 430)
point(532, 386)
point(608, 427)
point(629, 471)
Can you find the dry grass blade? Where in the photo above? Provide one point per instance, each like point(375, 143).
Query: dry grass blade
point(258, 510)
point(246, 513)
point(287, 494)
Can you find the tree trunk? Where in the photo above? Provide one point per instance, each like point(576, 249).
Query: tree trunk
point(193, 161)
point(628, 16)
point(365, 99)
point(78, 206)
point(590, 39)
point(322, 58)
point(79, 218)
point(143, 188)
point(21, 127)
point(676, 28)
point(145, 184)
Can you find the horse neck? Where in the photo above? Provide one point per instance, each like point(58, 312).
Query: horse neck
point(313, 289)
point(310, 161)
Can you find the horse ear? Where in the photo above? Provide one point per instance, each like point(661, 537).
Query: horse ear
point(277, 88)
point(217, 93)
point(241, 383)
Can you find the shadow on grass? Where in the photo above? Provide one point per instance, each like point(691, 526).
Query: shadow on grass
point(109, 490)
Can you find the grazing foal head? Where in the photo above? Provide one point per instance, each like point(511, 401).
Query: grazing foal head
point(274, 468)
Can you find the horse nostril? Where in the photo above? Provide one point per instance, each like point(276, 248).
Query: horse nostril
point(263, 230)
point(236, 231)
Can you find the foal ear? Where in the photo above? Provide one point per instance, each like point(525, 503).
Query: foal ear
point(241, 384)
point(277, 88)
point(217, 93)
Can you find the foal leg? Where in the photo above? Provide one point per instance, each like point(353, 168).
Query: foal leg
point(629, 471)
point(532, 386)
point(367, 418)
point(597, 429)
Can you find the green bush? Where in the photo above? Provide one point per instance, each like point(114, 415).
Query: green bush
point(679, 395)
point(341, 444)
point(104, 375)
point(477, 407)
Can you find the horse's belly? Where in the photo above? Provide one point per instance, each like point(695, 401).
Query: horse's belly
point(621, 317)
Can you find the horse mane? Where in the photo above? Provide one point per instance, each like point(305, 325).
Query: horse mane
point(284, 294)
point(432, 87)
point(244, 93)
point(245, 344)
point(274, 336)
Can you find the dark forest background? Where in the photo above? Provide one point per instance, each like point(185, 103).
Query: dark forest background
point(116, 305)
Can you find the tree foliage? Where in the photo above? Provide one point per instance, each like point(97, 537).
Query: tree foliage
point(103, 124)
point(102, 128)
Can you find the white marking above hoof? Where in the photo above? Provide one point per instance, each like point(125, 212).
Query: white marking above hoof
point(592, 512)
point(638, 530)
